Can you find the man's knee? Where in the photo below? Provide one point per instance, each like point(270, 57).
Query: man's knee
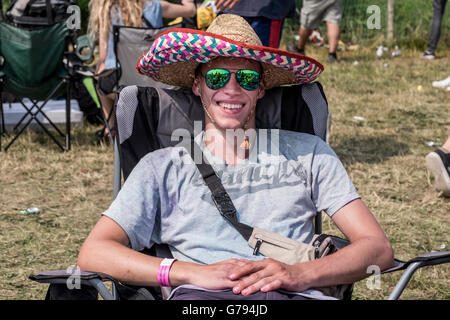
point(333, 14)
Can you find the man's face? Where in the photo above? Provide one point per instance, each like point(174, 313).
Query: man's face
point(232, 106)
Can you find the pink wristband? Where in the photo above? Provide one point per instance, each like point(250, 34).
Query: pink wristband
point(163, 272)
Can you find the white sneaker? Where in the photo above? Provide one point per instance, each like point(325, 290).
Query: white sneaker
point(442, 84)
point(427, 55)
point(437, 163)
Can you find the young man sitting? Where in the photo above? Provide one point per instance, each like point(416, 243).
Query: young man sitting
point(280, 189)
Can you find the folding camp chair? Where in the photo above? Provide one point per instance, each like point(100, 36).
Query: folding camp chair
point(146, 119)
point(130, 43)
point(32, 54)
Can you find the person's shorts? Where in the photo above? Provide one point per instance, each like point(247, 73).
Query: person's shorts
point(183, 293)
point(315, 11)
point(108, 84)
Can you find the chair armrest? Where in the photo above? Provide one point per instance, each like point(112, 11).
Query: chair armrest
point(76, 67)
point(411, 266)
point(54, 276)
point(433, 258)
point(74, 277)
point(73, 66)
point(427, 259)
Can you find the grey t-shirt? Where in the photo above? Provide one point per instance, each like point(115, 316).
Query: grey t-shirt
point(287, 179)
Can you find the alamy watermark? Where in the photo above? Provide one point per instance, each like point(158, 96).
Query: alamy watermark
point(74, 281)
point(74, 20)
point(238, 142)
point(374, 20)
point(374, 281)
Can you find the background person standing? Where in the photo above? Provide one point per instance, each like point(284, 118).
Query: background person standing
point(312, 14)
point(435, 33)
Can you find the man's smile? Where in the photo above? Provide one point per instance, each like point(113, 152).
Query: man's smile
point(231, 108)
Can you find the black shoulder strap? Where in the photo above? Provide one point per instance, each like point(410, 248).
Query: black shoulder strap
point(218, 193)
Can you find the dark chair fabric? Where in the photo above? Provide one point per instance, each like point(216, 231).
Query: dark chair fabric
point(130, 43)
point(33, 64)
point(33, 68)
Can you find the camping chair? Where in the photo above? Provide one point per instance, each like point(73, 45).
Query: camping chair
point(130, 43)
point(146, 119)
point(32, 55)
point(77, 63)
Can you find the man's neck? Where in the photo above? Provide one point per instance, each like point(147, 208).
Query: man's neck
point(231, 145)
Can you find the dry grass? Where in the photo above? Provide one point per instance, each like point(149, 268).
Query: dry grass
point(71, 189)
point(384, 155)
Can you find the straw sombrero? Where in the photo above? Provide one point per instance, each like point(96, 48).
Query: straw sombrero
point(176, 53)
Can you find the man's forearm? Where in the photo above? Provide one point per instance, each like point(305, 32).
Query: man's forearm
point(128, 265)
point(347, 265)
point(135, 268)
point(119, 261)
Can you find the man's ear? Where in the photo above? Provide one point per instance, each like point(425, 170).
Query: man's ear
point(196, 87)
point(262, 91)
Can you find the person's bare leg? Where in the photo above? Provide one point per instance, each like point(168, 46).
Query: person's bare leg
point(303, 37)
point(333, 36)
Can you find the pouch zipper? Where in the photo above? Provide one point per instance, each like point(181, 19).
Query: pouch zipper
point(260, 241)
point(317, 244)
point(257, 246)
point(316, 249)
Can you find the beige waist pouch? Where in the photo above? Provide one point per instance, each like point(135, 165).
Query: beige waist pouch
point(290, 251)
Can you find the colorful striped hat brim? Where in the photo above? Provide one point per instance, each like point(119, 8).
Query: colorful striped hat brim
point(176, 53)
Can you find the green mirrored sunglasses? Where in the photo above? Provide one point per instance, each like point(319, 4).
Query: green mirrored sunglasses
point(218, 78)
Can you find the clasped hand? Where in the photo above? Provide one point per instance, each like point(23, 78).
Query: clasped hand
point(247, 276)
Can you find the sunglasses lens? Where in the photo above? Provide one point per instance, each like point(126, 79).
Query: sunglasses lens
point(217, 78)
point(248, 79)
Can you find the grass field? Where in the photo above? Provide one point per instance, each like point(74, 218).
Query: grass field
point(383, 153)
